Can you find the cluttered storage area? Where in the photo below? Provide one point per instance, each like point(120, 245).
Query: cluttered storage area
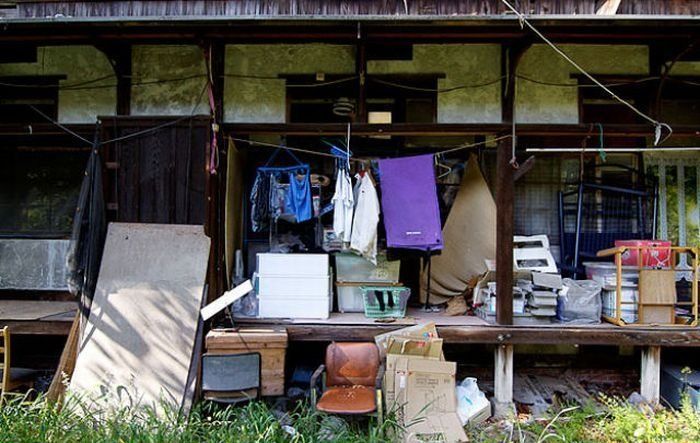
point(333, 231)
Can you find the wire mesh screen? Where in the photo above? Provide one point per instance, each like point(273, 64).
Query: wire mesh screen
point(536, 198)
point(593, 216)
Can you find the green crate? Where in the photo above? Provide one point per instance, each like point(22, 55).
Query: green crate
point(398, 295)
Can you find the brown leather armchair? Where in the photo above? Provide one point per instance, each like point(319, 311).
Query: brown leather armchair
point(353, 380)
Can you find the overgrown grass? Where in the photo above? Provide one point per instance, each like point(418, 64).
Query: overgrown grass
point(615, 422)
point(39, 421)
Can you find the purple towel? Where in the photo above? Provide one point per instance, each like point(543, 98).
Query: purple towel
point(410, 204)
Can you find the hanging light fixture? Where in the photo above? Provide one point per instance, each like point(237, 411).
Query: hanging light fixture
point(344, 107)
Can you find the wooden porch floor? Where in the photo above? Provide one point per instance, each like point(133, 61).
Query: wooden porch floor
point(470, 329)
point(33, 317)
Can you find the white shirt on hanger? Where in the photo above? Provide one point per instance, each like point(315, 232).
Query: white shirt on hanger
point(343, 202)
point(364, 227)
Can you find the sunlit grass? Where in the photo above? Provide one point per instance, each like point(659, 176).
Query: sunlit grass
point(22, 420)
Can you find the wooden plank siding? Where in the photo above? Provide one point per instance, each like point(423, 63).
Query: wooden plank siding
point(269, 8)
point(159, 176)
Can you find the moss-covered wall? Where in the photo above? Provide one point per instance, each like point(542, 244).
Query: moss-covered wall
point(184, 95)
point(255, 93)
point(262, 99)
point(78, 104)
point(461, 65)
point(538, 103)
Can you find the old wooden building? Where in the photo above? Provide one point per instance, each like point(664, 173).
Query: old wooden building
point(185, 98)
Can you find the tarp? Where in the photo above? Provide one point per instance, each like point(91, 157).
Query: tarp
point(138, 345)
point(469, 238)
point(88, 235)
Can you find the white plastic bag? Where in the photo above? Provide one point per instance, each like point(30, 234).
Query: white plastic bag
point(472, 404)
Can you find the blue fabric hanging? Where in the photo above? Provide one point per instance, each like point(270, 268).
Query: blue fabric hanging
point(299, 197)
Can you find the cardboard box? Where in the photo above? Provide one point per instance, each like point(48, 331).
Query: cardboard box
point(426, 399)
point(437, 428)
point(390, 372)
point(425, 330)
point(421, 347)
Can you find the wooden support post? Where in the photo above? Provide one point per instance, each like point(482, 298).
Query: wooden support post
point(505, 190)
point(216, 182)
point(650, 379)
point(503, 380)
point(120, 57)
point(361, 72)
point(504, 234)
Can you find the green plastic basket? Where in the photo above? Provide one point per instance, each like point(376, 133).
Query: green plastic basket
point(394, 300)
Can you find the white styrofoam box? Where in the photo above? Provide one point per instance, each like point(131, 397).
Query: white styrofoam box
point(605, 273)
point(305, 286)
point(353, 268)
point(630, 306)
point(285, 306)
point(350, 298)
point(292, 264)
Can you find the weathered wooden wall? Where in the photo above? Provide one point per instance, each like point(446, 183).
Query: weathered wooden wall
point(338, 8)
point(160, 176)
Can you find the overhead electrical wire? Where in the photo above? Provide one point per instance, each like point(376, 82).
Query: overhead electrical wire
point(127, 136)
point(438, 91)
point(658, 126)
point(359, 160)
point(88, 84)
point(59, 125)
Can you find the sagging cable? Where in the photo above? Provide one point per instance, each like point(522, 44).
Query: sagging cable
point(658, 126)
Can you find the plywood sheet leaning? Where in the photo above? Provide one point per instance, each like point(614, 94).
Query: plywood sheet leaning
point(140, 337)
point(469, 237)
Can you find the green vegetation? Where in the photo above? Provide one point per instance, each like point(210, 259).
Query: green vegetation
point(38, 421)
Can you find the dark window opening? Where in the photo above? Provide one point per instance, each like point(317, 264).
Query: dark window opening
point(597, 106)
point(18, 94)
point(39, 190)
point(392, 98)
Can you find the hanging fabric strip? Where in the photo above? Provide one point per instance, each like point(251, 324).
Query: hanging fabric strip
point(409, 201)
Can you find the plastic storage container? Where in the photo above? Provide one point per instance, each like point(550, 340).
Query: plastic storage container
point(657, 256)
point(350, 298)
point(385, 301)
point(292, 264)
point(294, 286)
point(353, 268)
point(306, 286)
point(283, 306)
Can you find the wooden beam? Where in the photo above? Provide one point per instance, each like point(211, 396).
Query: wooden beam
point(66, 363)
point(594, 335)
point(120, 57)
point(505, 186)
point(361, 72)
point(505, 191)
point(650, 376)
point(215, 188)
point(445, 129)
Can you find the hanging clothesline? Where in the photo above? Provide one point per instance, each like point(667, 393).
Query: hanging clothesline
point(359, 160)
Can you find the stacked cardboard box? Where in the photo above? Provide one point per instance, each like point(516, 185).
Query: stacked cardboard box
point(419, 385)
